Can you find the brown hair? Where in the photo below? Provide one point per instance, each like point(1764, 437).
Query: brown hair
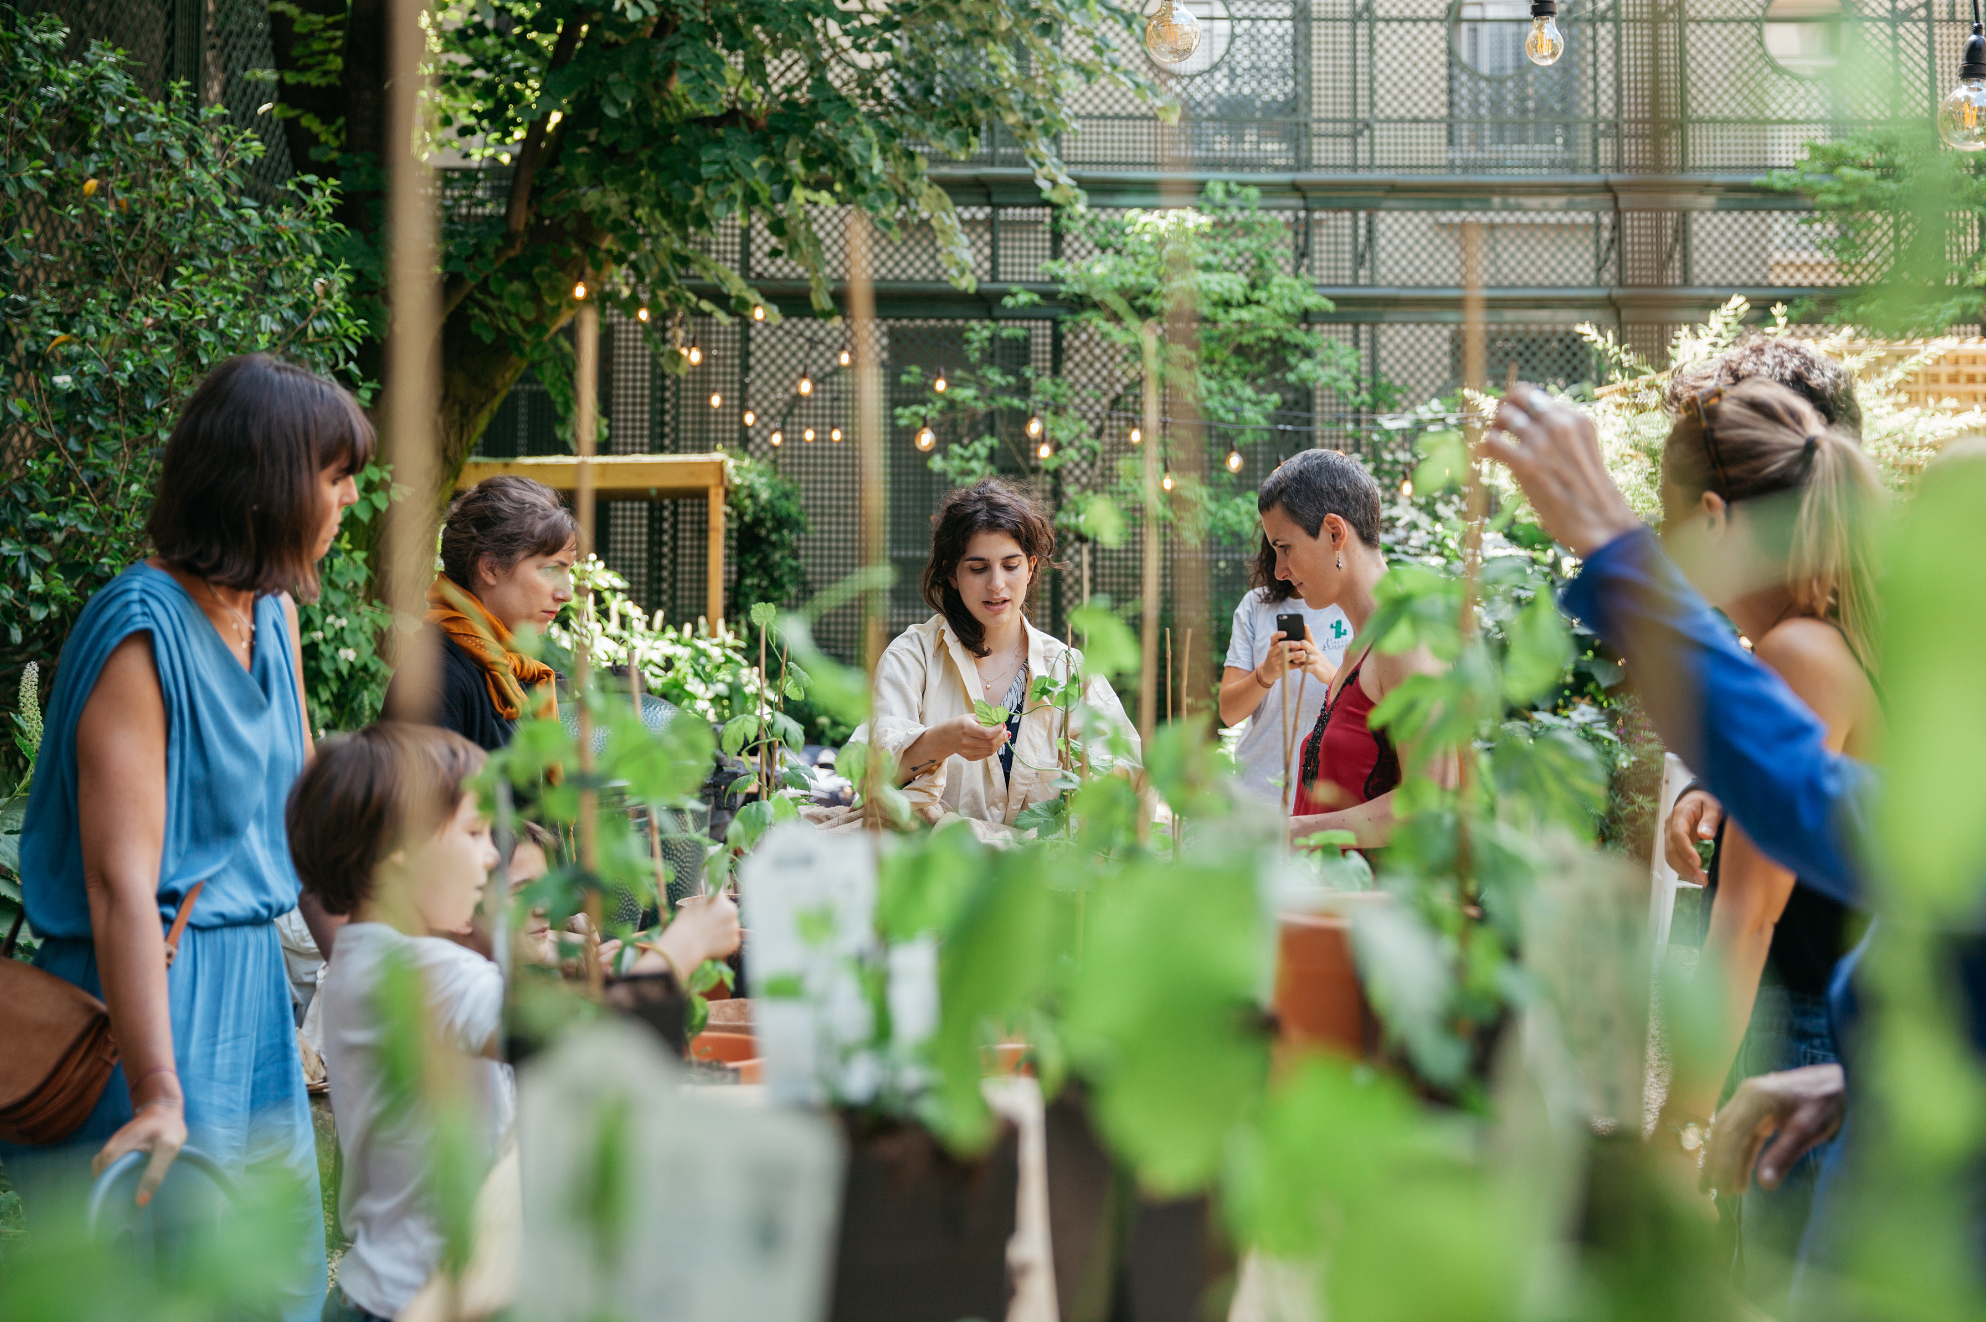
point(986, 506)
point(1262, 574)
point(238, 500)
point(1758, 439)
point(1822, 381)
point(368, 793)
point(503, 519)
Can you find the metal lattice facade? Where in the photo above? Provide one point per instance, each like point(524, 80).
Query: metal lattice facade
point(1624, 186)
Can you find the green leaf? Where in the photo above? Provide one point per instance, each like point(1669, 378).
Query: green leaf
point(989, 715)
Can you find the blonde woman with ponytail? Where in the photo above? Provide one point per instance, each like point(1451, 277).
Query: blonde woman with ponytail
point(1765, 508)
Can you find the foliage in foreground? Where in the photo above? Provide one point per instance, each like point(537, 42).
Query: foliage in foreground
point(133, 259)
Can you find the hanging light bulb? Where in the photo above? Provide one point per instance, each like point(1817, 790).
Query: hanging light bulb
point(641, 313)
point(1165, 482)
point(1545, 43)
point(844, 357)
point(758, 312)
point(834, 434)
point(1137, 434)
point(579, 292)
point(1043, 450)
point(1172, 34)
point(939, 384)
point(808, 436)
point(778, 439)
point(1234, 461)
point(806, 386)
point(696, 354)
point(926, 438)
point(1407, 487)
point(716, 400)
point(1034, 425)
point(1962, 114)
point(751, 418)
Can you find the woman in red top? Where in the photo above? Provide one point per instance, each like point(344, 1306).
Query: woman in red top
point(1320, 512)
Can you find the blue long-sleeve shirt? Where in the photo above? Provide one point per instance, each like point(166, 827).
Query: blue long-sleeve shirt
point(1760, 750)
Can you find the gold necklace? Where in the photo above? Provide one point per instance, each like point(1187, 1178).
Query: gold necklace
point(1020, 659)
point(236, 623)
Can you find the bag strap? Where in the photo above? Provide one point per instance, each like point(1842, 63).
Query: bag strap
point(179, 922)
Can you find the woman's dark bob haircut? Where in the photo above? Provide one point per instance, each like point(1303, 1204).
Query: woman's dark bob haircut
point(238, 499)
point(987, 506)
point(502, 520)
point(1313, 483)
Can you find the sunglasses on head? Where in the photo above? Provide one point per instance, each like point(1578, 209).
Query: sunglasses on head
point(1703, 402)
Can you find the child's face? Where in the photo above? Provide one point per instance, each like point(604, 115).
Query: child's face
point(450, 871)
point(527, 864)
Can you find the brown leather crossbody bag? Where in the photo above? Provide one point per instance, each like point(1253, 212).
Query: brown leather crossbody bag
point(59, 1049)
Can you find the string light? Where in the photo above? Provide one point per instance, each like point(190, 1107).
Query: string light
point(1166, 481)
point(758, 312)
point(579, 292)
point(926, 438)
point(716, 400)
point(641, 313)
point(1034, 425)
point(808, 436)
point(1962, 114)
point(778, 439)
point(1043, 450)
point(751, 418)
point(1234, 461)
point(1172, 34)
point(696, 354)
point(939, 384)
point(834, 434)
point(1137, 434)
point(1407, 486)
point(806, 386)
point(844, 358)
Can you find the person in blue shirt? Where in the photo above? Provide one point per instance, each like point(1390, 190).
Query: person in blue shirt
point(1760, 750)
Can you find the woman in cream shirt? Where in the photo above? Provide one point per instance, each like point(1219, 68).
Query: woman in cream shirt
point(989, 543)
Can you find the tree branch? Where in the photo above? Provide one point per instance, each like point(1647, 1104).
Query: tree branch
point(523, 174)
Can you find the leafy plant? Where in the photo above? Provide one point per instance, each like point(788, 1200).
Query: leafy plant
point(1253, 346)
point(133, 258)
point(765, 519)
point(344, 674)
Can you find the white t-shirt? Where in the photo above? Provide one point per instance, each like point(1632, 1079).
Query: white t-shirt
point(1259, 754)
point(396, 1245)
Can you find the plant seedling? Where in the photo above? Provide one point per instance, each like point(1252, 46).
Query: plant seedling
point(988, 715)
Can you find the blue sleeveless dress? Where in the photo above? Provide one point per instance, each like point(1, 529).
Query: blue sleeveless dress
point(234, 747)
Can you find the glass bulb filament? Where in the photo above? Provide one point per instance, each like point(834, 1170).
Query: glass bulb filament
point(926, 438)
point(1962, 116)
point(1172, 34)
point(1544, 44)
point(806, 386)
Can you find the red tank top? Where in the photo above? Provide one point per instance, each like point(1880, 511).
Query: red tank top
point(1345, 761)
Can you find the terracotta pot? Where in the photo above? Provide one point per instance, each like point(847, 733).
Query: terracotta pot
point(923, 1237)
point(1005, 1059)
point(1318, 999)
point(727, 1047)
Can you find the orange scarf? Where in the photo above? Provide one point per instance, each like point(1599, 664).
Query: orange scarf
point(468, 624)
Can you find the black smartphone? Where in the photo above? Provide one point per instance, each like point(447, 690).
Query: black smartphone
point(1292, 628)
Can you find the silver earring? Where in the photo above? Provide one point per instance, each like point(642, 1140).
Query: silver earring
point(1341, 559)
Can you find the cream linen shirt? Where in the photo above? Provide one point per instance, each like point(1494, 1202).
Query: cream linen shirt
point(926, 678)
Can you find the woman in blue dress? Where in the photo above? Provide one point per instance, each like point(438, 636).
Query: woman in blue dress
point(173, 734)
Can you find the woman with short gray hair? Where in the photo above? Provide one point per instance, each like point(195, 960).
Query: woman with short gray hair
point(1320, 512)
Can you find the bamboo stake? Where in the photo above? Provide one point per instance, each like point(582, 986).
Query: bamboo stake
point(1168, 676)
point(1186, 677)
point(869, 439)
point(586, 384)
point(1474, 352)
point(412, 368)
point(1152, 542)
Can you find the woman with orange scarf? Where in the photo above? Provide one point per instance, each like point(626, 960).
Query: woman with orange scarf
point(507, 550)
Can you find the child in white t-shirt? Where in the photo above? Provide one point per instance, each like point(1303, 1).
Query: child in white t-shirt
point(382, 829)
point(1257, 681)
